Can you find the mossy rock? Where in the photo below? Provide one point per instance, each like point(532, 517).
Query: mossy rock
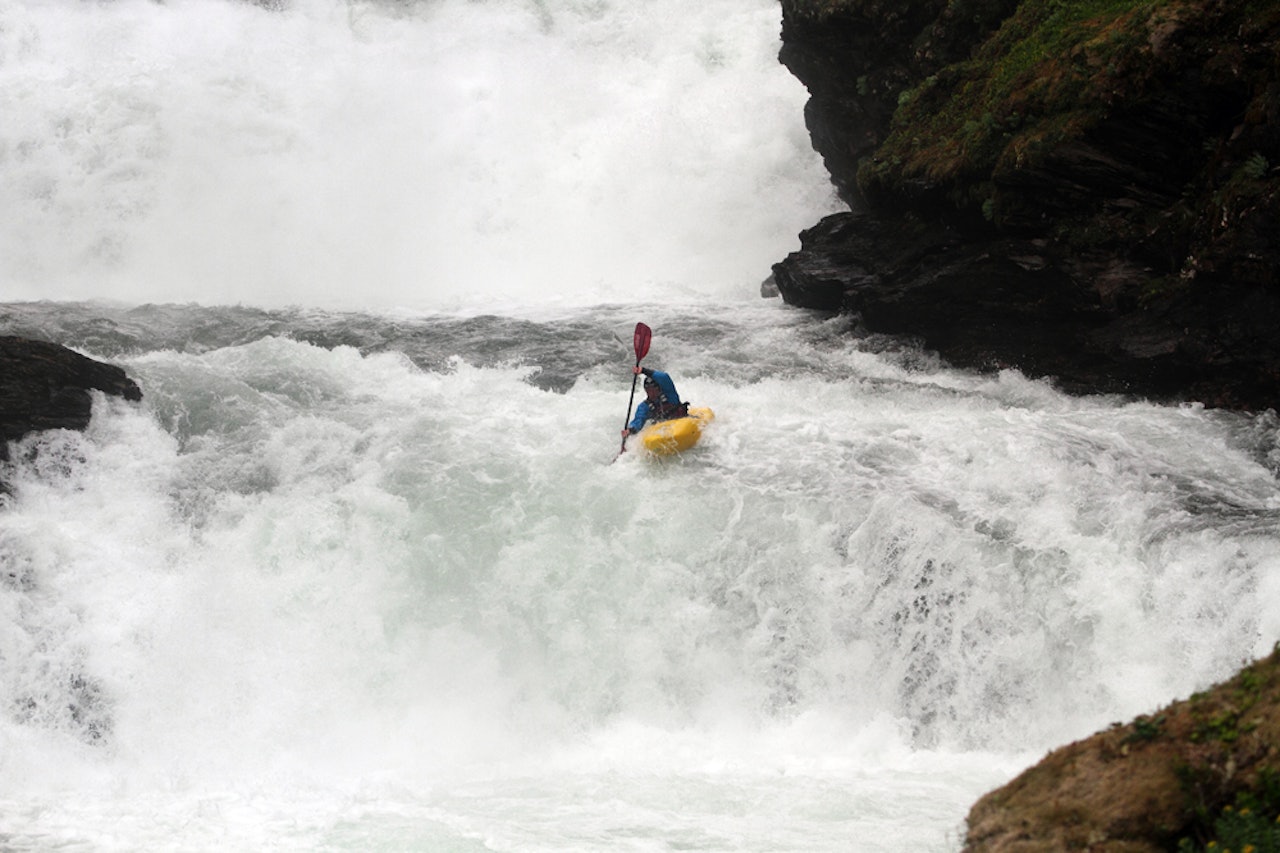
point(1183, 778)
point(1182, 76)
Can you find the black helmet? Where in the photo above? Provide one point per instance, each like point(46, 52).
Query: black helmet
point(649, 382)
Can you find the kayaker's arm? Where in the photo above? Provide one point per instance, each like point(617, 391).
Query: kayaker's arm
point(637, 423)
point(665, 383)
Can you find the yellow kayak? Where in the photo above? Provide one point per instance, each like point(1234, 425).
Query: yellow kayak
point(674, 436)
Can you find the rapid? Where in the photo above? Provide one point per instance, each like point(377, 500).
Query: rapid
point(365, 571)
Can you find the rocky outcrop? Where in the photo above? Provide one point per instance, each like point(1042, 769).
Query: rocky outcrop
point(1201, 770)
point(46, 386)
point(1091, 197)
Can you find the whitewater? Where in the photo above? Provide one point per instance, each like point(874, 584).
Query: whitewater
point(365, 570)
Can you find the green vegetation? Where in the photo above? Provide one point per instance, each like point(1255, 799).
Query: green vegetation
point(1137, 137)
point(1251, 822)
point(1244, 189)
point(1052, 71)
point(1239, 829)
point(1145, 729)
point(1225, 724)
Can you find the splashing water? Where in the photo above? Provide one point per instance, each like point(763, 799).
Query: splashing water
point(344, 597)
point(363, 573)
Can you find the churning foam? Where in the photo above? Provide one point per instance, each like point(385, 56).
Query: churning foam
point(375, 155)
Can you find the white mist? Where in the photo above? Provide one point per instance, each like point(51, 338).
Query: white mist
point(382, 155)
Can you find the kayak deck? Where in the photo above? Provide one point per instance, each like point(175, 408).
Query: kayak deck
point(676, 435)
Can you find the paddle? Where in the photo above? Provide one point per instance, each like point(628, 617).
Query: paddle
point(643, 335)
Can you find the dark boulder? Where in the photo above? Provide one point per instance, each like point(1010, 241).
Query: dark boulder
point(46, 386)
point(1090, 197)
point(1023, 302)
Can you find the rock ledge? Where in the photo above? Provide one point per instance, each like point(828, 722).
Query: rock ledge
point(46, 386)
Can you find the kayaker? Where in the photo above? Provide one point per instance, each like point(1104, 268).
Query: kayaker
point(661, 403)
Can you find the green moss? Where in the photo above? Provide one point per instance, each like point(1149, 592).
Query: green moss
point(1251, 820)
point(1224, 724)
point(1050, 72)
point(1248, 183)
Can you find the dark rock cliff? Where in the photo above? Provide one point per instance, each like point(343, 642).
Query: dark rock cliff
point(1085, 191)
point(46, 386)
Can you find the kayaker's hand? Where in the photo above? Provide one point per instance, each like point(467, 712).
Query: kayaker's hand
point(638, 370)
point(626, 432)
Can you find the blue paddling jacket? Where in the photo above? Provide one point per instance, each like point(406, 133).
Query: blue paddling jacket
point(666, 406)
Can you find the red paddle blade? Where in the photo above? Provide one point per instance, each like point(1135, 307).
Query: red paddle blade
point(643, 336)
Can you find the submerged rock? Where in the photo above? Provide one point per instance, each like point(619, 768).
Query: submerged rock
point(46, 386)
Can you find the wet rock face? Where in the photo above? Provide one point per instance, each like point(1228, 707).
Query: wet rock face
point(1105, 213)
point(1022, 302)
point(46, 386)
point(854, 63)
